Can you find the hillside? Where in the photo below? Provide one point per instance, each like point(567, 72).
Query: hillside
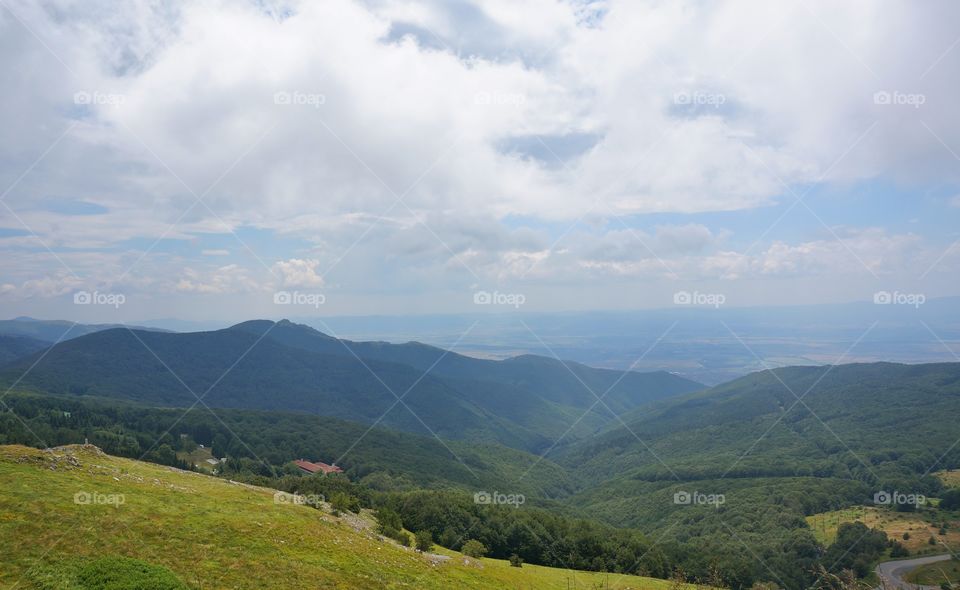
point(51, 331)
point(267, 441)
point(198, 532)
point(564, 383)
point(13, 347)
point(525, 403)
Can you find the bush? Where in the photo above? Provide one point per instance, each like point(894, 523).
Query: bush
point(121, 573)
point(898, 550)
point(906, 536)
point(342, 502)
point(474, 548)
point(516, 561)
point(950, 500)
point(424, 540)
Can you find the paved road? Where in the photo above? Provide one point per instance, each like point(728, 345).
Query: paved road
point(892, 572)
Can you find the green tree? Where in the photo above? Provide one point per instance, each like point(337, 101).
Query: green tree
point(424, 540)
point(474, 548)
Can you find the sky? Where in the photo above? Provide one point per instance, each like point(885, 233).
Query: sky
point(228, 160)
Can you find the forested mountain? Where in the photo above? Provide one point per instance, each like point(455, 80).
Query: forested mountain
point(525, 403)
point(55, 330)
point(13, 347)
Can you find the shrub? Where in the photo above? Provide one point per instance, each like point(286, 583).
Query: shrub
point(424, 540)
point(516, 561)
point(345, 502)
point(474, 548)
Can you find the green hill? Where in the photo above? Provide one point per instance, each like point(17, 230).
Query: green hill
point(525, 403)
point(82, 517)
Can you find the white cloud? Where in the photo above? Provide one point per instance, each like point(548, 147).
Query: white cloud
point(225, 279)
point(694, 108)
point(298, 272)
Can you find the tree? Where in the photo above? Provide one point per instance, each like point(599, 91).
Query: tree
point(424, 540)
point(474, 548)
point(950, 500)
point(342, 502)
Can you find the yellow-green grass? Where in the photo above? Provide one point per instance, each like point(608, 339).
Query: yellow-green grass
point(933, 574)
point(950, 478)
point(216, 534)
point(895, 524)
point(198, 457)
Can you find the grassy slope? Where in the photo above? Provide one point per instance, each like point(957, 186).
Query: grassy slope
point(895, 524)
point(935, 573)
point(214, 534)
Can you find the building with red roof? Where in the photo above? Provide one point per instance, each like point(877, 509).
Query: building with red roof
point(318, 467)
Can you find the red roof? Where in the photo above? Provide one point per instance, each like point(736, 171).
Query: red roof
point(317, 467)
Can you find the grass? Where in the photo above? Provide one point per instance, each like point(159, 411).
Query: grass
point(916, 524)
point(198, 458)
point(211, 533)
point(950, 478)
point(933, 574)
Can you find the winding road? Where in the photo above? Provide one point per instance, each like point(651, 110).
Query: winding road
point(891, 573)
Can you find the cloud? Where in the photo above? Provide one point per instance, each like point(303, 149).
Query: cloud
point(297, 272)
point(225, 279)
point(427, 142)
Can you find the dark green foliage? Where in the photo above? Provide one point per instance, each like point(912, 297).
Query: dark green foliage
point(264, 443)
point(107, 573)
point(950, 500)
point(424, 540)
point(345, 502)
point(856, 548)
point(898, 550)
point(524, 403)
point(516, 560)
